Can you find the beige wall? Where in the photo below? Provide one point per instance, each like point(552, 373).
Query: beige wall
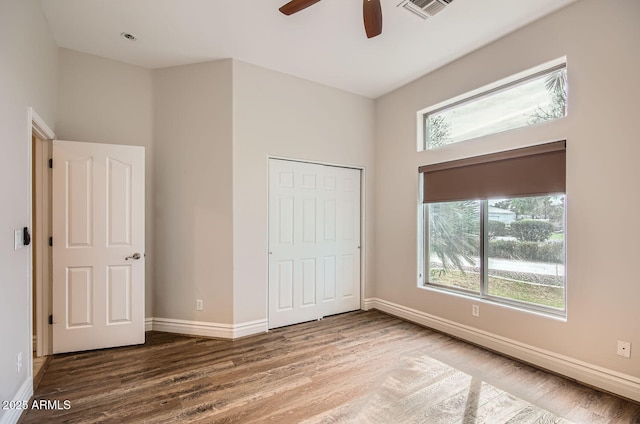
point(190, 220)
point(28, 77)
point(193, 185)
point(278, 115)
point(603, 230)
point(104, 101)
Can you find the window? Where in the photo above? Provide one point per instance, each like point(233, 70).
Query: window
point(494, 227)
point(535, 98)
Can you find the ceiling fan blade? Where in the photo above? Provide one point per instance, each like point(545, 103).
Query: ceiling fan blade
point(296, 5)
point(372, 14)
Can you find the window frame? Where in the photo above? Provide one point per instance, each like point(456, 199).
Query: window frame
point(485, 91)
point(483, 292)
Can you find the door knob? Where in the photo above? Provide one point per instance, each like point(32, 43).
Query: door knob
point(135, 256)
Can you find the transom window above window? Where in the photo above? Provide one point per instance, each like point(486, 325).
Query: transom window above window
point(533, 99)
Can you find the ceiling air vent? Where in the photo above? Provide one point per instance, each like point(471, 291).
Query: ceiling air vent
point(425, 8)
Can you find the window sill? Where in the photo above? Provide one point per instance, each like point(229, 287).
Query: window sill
point(559, 315)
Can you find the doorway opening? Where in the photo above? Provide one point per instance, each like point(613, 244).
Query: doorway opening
point(39, 154)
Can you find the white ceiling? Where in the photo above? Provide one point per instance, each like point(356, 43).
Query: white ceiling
point(325, 43)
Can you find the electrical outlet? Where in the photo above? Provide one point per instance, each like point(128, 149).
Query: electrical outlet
point(19, 363)
point(199, 305)
point(475, 310)
point(624, 349)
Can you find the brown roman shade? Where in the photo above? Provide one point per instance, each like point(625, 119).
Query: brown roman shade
point(531, 171)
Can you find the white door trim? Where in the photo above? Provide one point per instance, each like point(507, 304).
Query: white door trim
point(38, 128)
point(363, 220)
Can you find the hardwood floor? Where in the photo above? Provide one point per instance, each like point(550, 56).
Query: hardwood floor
point(39, 367)
point(361, 367)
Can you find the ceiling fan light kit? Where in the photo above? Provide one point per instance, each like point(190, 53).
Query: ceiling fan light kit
point(371, 13)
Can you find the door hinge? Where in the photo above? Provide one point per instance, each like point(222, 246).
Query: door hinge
point(51, 163)
point(50, 319)
point(50, 241)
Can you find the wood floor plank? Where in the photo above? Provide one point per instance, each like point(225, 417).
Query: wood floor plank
point(361, 367)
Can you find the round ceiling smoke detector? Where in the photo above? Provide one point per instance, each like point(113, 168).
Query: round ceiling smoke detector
point(128, 36)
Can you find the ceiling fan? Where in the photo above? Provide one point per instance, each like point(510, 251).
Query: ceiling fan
point(371, 13)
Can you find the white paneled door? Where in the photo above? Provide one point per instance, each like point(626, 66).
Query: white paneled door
point(314, 241)
point(98, 245)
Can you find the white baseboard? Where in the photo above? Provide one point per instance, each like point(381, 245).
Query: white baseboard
point(594, 375)
point(11, 416)
point(248, 328)
point(148, 324)
point(207, 329)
